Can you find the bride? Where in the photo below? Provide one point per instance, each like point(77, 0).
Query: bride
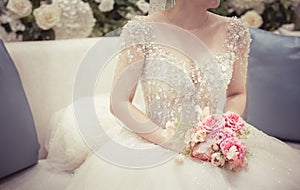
point(188, 61)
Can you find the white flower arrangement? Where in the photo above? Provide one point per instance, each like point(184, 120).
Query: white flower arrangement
point(63, 19)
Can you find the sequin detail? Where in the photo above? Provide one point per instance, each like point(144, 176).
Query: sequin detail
point(157, 5)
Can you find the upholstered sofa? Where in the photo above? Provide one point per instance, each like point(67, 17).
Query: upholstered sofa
point(47, 70)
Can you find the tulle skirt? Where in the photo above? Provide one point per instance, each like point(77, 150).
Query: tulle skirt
point(271, 165)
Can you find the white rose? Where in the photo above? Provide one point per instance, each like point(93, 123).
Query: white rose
point(198, 136)
point(252, 19)
point(47, 16)
point(106, 5)
point(232, 152)
point(19, 8)
point(143, 6)
point(217, 159)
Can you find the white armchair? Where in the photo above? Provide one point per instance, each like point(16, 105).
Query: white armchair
point(47, 70)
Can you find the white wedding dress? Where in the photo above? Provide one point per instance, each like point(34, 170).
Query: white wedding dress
point(169, 90)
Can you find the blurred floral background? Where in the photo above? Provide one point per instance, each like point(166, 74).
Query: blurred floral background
point(26, 20)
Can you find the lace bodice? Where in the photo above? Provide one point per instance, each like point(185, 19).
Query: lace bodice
point(180, 81)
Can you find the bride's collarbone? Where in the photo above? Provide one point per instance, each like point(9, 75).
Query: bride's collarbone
point(213, 37)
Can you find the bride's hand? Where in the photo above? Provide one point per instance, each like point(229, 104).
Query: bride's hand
point(170, 142)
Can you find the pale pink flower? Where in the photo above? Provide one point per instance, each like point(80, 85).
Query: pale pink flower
point(199, 154)
point(233, 149)
point(215, 147)
point(213, 123)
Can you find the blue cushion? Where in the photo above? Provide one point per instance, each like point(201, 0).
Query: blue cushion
point(273, 103)
point(19, 145)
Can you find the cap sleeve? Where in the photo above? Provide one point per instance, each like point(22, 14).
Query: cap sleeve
point(136, 32)
point(239, 43)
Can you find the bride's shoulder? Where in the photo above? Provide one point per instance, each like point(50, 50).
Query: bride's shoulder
point(234, 27)
point(230, 23)
point(138, 22)
point(140, 19)
point(140, 25)
point(237, 30)
point(146, 19)
point(137, 30)
point(236, 24)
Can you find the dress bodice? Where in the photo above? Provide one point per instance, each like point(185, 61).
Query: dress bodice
point(176, 84)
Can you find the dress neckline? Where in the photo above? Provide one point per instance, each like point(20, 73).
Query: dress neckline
point(152, 20)
point(155, 18)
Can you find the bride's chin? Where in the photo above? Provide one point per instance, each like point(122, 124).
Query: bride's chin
point(214, 4)
point(208, 4)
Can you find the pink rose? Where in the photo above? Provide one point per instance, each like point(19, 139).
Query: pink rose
point(213, 123)
point(233, 149)
point(200, 155)
point(234, 122)
point(225, 134)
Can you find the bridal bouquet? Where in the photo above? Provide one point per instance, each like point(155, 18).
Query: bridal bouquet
point(217, 139)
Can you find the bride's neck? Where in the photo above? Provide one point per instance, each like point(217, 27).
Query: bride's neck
point(187, 16)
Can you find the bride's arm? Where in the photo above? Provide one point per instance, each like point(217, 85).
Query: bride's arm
point(237, 90)
point(124, 86)
point(236, 93)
